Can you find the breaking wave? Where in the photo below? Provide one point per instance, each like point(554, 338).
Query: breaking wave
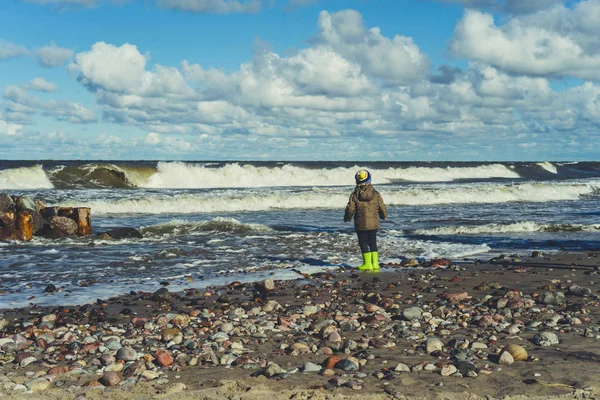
point(181, 227)
point(516, 227)
point(330, 198)
point(33, 177)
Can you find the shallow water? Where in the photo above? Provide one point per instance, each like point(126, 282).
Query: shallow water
point(202, 226)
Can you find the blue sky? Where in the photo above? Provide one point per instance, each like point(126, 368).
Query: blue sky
point(300, 79)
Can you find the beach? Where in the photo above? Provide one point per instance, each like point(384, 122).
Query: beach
point(436, 329)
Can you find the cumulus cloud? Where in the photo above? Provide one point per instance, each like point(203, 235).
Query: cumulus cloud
point(10, 50)
point(21, 102)
point(41, 85)
point(53, 55)
point(521, 47)
point(394, 61)
point(213, 6)
point(340, 89)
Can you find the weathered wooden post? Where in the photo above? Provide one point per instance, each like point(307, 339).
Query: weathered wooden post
point(83, 219)
point(25, 225)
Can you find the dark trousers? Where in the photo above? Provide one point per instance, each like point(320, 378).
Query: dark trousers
point(367, 240)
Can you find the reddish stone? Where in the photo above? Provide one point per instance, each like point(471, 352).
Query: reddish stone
point(57, 370)
point(330, 362)
point(456, 279)
point(90, 348)
point(164, 358)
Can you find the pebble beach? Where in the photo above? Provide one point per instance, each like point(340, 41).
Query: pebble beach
point(508, 327)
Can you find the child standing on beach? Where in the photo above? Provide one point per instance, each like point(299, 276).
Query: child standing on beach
point(366, 207)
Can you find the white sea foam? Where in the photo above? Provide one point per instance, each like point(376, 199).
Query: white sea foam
point(548, 167)
point(182, 175)
point(179, 227)
point(517, 227)
point(234, 201)
point(32, 177)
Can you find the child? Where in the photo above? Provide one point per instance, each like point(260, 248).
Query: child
point(366, 206)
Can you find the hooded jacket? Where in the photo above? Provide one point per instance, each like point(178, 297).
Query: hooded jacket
point(366, 207)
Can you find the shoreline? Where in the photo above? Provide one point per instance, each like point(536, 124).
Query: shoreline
point(246, 341)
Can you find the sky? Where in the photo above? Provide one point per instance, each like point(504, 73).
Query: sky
point(315, 80)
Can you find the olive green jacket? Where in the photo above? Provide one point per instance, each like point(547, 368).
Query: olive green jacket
point(366, 207)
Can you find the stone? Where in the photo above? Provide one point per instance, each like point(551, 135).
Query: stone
point(6, 203)
point(27, 361)
point(272, 370)
point(412, 313)
point(346, 365)
point(226, 327)
point(555, 299)
point(546, 339)
point(23, 203)
point(64, 225)
point(127, 353)
point(401, 367)
point(136, 368)
point(38, 385)
point(110, 378)
point(150, 375)
point(311, 367)
point(448, 370)
point(164, 358)
point(433, 344)
point(506, 358)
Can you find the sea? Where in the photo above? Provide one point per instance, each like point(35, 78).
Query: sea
point(209, 223)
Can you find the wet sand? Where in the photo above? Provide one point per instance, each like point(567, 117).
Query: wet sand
point(225, 339)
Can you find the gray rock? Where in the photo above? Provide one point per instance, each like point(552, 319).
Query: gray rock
point(346, 365)
point(402, 368)
point(110, 378)
point(272, 370)
point(27, 361)
point(311, 367)
point(555, 299)
point(127, 353)
point(6, 203)
point(23, 203)
point(412, 313)
point(579, 291)
point(546, 339)
point(464, 367)
point(64, 225)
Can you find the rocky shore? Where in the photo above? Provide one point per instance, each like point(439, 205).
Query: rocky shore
point(506, 328)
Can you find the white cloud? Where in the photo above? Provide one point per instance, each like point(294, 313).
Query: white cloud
point(21, 102)
point(521, 48)
point(122, 70)
point(336, 90)
point(41, 85)
point(53, 55)
point(213, 6)
point(152, 138)
point(10, 50)
point(9, 129)
point(395, 61)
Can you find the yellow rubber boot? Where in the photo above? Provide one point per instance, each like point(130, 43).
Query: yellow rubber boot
point(375, 261)
point(366, 266)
